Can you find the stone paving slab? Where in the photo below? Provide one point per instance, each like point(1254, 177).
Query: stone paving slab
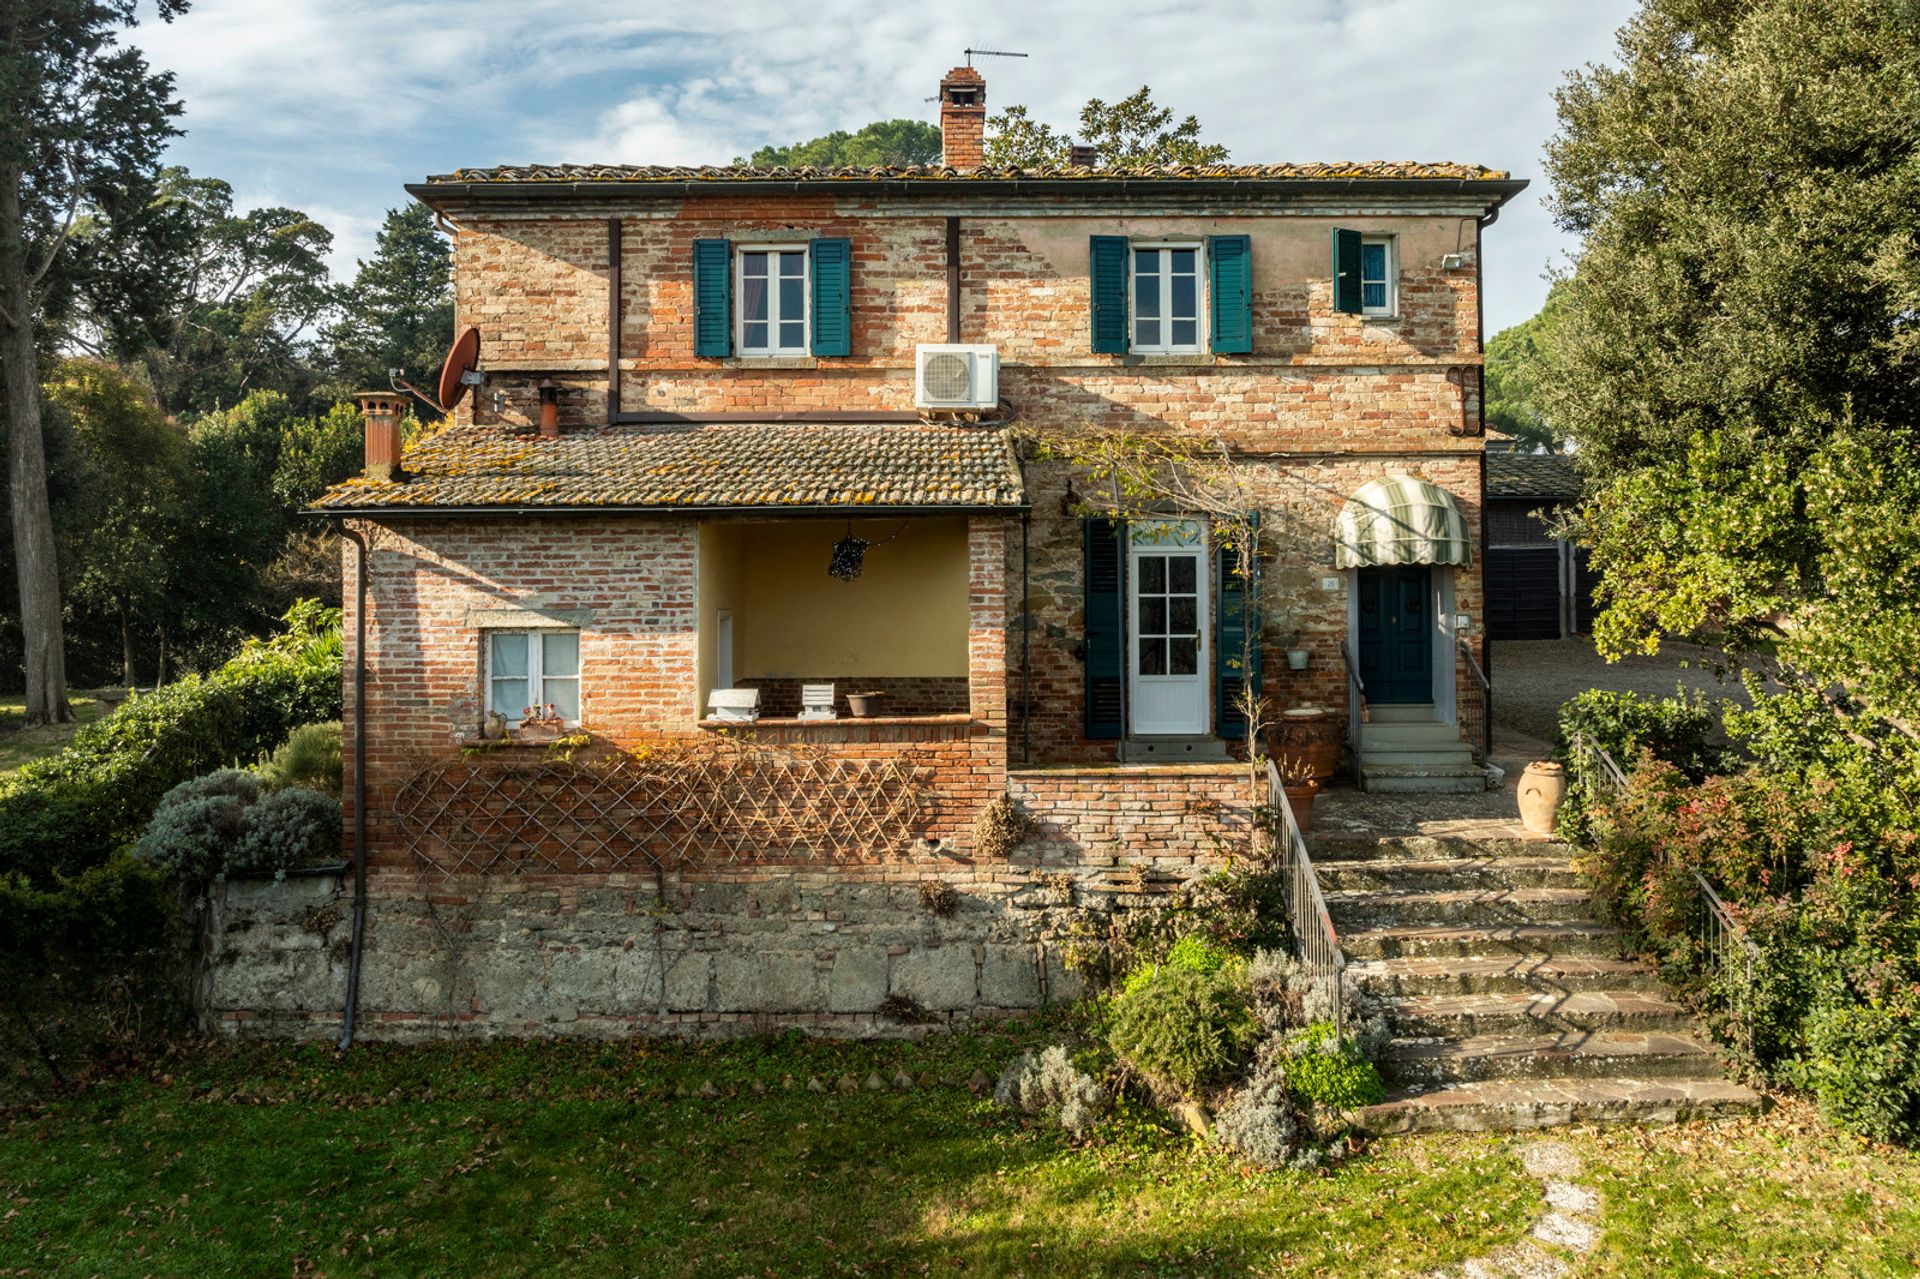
point(1510, 1012)
point(1507, 1104)
point(1492, 973)
point(1574, 937)
point(1576, 1053)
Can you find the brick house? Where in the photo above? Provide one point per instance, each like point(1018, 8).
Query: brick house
point(732, 364)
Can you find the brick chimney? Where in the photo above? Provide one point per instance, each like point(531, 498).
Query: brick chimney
point(383, 411)
point(963, 119)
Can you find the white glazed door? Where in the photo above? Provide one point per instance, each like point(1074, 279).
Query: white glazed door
point(1168, 627)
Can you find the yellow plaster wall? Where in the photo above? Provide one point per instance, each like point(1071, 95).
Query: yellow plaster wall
point(721, 553)
point(906, 615)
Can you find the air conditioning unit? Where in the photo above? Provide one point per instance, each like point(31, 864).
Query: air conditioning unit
point(956, 377)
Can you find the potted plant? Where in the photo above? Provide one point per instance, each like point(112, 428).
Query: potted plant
point(864, 705)
point(1298, 781)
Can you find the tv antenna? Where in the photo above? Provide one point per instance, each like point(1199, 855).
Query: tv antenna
point(991, 53)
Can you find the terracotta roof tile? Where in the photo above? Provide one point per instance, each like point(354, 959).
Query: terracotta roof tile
point(669, 467)
point(1444, 170)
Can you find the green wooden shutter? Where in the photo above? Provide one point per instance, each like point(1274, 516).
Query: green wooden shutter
point(832, 262)
point(712, 297)
point(1230, 258)
point(1346, 271)
point(1107, 280)
point(1233, 621)
point(1104, 581)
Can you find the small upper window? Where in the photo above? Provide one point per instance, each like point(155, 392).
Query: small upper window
point(1166, 298)
point(527, 671)
point(1378, 279)
point(772, 288)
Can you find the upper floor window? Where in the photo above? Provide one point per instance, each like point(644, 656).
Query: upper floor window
point(1166, 298)
point(1378, 277)
point(772, 288)
point(530, 670)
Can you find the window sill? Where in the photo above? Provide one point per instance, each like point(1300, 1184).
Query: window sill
point(770, 362)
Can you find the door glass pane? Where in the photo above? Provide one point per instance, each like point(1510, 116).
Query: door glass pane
point(1373, 295)
point(793, 335)
point(509, 654)
point(1153, 573)
point(1183, 617)
point(560, 653)
point(792, 298)
point(1182, 569)
point(790, 265)
point(1146, 261)
point(1153, 657)
point(1185, 333)
point(1373, 262)
point(565, 696)
point(753, 286)
point(1181, 261)
point(1153, 616)
point(1184, 658)
point(753, 335)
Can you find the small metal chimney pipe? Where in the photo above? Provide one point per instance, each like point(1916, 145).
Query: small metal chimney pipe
point(1082, 155)
point(383, 411)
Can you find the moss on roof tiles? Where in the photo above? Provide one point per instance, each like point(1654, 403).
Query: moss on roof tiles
point(1515, 474)
point(1336, 170)
point(735, 465)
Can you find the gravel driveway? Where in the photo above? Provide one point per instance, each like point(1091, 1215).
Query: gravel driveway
point(1532, 677)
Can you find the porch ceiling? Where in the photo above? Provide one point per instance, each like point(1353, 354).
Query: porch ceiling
point(838, 467)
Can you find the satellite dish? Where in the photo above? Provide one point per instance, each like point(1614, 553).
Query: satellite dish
point(454, 374)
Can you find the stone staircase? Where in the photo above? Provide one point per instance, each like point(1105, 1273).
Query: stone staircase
point(1509, 1004)
point(1404, 750)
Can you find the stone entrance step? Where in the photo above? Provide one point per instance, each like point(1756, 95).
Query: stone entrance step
point(1452, 873)
point(1388, 908)
point(1504, 1105)
point(1570, 1054)
point(1490, 974)
point(1536, 1013)
point(1531, 941)
point(1464, 778)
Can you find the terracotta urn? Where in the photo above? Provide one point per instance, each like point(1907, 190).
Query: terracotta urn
point(1309, 735)
point(1300, 800)
point(864, 705)
point(1542, 786)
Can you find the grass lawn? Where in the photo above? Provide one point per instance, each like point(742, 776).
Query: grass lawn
point(585, 1160)
point(20, 745)
point(582, 1159)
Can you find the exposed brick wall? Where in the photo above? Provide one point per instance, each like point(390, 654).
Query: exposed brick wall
point(1174, 818)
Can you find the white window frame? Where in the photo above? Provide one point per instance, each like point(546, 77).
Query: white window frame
point(536, 677)
point(1391, 243)
point(1200, 298)
point(774, 315)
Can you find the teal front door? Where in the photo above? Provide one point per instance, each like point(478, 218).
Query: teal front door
point(1396, 634)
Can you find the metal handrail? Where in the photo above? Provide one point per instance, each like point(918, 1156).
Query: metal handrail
point(1356, 711)
point(1727, 947)
point(1486, 697)
point(1315, 939)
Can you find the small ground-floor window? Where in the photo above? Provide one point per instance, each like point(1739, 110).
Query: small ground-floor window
point(529, 670)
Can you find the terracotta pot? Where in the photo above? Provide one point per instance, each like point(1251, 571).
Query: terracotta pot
point(864, 705)
point(1309, 735)
point(1300, 800)
point(1542, 786)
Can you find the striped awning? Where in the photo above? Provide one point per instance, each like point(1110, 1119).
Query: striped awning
point(1400, 520)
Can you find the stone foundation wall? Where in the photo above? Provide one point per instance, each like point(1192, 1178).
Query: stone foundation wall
point(879, 949)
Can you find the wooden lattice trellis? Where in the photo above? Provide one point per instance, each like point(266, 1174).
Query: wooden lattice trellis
point(659, 809)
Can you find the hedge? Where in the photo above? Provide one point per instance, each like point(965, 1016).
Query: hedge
point(64, 814)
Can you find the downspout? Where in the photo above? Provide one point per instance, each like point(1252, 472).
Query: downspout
point(1026, 644)
point(359, 781)
point(1480, 335)
point(953, 279)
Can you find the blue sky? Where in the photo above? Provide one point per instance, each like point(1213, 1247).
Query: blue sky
point(331, 105)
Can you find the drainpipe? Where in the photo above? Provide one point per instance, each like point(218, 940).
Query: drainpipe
point(953, 279)
point(359, 781)
point(1026, 645)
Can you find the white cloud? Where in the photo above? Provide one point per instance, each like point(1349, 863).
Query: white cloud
point(336, 102)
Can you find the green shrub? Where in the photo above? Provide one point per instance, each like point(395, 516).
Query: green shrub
point(210, 827)
point(67, 812)
point(1192, 953)
point(1673, 730)
point(1863, 1064)
point(88, 964)
point(289, 828)
point(1328, 1072)
point(311, 757)
point(1051, 1086)
point(1184, 1030)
